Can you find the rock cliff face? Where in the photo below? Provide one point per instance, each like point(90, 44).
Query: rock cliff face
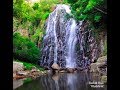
point(17, 66)
point(67, 42)
point(100, 66)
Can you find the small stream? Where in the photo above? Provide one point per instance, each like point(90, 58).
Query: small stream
point(66, 81)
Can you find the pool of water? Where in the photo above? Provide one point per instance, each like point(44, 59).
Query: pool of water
point(66, 81)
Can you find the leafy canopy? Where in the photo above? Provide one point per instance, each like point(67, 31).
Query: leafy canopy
point(24, 49)
point(88, 9)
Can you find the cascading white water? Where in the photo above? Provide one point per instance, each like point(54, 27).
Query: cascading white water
point(66, 41)
point(53, 17)
point(70, 59)
point(55, 41)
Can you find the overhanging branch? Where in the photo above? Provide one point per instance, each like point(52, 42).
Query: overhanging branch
point(101, 10)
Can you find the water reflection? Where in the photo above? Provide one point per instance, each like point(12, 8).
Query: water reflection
point(64, 81)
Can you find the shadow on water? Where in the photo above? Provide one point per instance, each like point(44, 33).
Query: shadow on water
point(66, 81)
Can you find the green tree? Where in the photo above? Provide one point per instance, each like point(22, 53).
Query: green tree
point(24, 49)
point(91, 10)
point(30, 17)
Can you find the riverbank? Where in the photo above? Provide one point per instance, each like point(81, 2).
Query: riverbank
point(25, 70)
point(100, 66)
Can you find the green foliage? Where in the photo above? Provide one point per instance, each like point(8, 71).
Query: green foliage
point(45, 16)
point(37, 35)
point(97, 18)
point(31, 17)
point(32, 12)
point(35, 6)
point(15, 24)
point(71, 1)
point(28, 66)
point(25, 49)
point(87, 9)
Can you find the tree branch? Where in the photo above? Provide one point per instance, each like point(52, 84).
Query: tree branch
point(101, 10)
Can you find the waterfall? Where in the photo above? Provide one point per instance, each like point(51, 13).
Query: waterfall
point(66, 42)
point(70, 59)
point(55, 41)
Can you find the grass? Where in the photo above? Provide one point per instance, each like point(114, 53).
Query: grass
point(29, 66)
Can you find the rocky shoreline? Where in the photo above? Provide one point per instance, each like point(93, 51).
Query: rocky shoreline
point(19, 71)
point(100, 67)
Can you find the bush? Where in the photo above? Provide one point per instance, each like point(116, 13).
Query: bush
point(24, 49)
point(28, 66)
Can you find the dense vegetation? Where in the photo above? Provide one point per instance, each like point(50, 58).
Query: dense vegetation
point(24, 49)
point(29, 21)
point(28, 27)
point(94, 11)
